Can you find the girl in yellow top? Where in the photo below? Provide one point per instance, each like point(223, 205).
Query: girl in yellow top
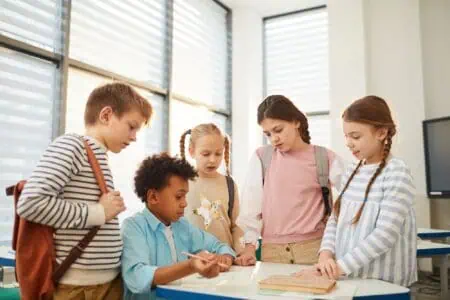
point(209, 206)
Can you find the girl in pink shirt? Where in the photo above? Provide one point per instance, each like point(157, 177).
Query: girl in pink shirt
point(285, 206)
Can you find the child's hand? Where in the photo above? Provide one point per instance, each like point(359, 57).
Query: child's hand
point(208, 269)
point(329, 267)
point(325, 255)
point(113, 204)
point(226, 260)
point(247, 257)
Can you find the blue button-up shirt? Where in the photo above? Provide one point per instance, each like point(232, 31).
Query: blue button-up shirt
point(145, 248)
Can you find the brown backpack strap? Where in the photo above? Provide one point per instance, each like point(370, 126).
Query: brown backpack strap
point(15, 191)
point(76, 251)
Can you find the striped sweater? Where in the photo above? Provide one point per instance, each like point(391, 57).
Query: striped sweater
point(62, 193)
point(382, 245)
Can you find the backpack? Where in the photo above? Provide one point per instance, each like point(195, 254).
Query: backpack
point(321, 156)
point(37, 271)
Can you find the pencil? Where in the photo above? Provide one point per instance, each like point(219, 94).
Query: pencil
point(203, 259)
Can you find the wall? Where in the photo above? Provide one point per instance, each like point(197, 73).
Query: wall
point(247, 87)
point(435, 29)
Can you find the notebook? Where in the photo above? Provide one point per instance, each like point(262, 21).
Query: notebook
point(298, 283)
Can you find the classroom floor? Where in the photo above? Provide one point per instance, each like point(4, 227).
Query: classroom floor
point(428, 287)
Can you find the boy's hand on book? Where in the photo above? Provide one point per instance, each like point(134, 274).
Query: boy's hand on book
point(113, 204)
point(226, 260)
point(247, 257)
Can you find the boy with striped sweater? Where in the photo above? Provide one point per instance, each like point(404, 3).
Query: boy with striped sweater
point(62, 192)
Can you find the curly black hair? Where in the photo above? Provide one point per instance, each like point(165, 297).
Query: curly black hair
point(155, 171)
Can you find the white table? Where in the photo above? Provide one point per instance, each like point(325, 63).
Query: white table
point(430, 249)
point(243, 284)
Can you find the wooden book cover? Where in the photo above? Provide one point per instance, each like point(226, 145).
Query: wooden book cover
point(299, 283)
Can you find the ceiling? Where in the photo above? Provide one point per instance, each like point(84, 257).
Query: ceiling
point(273, 7)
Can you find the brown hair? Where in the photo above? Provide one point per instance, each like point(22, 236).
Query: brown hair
point(202, 130)
point(371, 110)
point(280, 107)
point(120, 97)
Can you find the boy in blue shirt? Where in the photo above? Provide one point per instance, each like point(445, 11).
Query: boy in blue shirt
point(155, 238)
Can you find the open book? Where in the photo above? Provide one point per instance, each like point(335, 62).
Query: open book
point(298, 283)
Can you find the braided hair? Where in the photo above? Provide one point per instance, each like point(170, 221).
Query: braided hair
point(200, 131)
point(371, 110)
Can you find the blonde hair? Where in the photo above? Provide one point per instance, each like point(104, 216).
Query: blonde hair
point(201, 131)
point(121, 97)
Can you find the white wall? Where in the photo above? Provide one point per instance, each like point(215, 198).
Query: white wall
point(247, 87)
point(435, 29)
point(347, 64)
point(395, 73)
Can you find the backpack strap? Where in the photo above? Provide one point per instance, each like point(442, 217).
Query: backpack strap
point(265, 159)
point(76, 251)
point(15, 191)
point(321, 156)
point(230, 185)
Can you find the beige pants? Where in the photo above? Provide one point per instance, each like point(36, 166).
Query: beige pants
point(303, 253)
point(112, 290)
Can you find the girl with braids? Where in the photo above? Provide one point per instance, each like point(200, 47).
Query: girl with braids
point(285, 205)
point(372, 230)
point(208, 197)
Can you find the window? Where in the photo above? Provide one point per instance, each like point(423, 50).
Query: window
point(48, 69)
point(38, 23)
point(124, 37)
point(200, 52)
point(201, 67)
point(32, 36)
point(296, 65)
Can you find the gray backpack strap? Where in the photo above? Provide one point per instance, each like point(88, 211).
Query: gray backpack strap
point(321, 156)
point(265, 158)
point(230, 185)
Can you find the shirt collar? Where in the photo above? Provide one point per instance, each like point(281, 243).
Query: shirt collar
point(96, 143)
point(152, 220)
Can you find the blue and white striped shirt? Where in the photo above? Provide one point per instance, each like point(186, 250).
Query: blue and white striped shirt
point(383, 244)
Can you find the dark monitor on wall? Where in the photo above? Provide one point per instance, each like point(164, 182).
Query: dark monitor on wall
point(436, 133)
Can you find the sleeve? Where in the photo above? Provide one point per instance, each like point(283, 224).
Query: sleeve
point(42, 201)
point(250, 219)
point(398, 197)
point(137, 273)
point(329, 236)
point(202, 240)
point(236, 231)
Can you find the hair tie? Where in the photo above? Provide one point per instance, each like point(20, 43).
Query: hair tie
point(188, 131)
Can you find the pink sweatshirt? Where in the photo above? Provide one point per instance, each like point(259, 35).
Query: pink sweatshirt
point(289, 208)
